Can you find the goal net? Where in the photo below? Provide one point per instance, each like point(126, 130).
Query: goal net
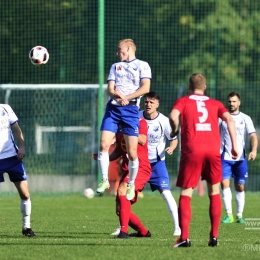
point(59, 123)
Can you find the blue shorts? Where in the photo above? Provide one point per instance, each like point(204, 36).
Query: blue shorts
point(127, 117)
point(235, 169)
point(14, 168)
point(160, 177)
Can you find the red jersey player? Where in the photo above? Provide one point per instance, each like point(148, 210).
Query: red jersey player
point(200, 152)
point(123, 209)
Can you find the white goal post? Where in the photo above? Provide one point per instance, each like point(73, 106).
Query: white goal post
point(10, 87)
point(59, 122)
point(39, 130)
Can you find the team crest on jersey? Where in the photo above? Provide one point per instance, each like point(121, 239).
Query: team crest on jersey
point(156, 128)
point(3, 113)
point(119, 68)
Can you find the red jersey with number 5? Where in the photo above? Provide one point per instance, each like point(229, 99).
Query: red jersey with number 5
point(199, 123)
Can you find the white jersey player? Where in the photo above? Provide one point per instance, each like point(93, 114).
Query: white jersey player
point(237, 168)
point(127, 76)
point(159, 131)
point(128, 80)
point(11, 162)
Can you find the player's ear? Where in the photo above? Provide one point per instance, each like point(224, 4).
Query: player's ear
point(205, 87)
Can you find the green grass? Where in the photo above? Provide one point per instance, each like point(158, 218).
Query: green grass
point(73, 227)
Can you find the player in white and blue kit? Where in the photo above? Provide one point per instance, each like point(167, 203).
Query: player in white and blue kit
point(128, 80)
point(11, 162)
point(159, 130)
point(236, 168)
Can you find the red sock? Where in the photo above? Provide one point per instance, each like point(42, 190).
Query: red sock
point(215, 208)
point(124, 213)
point(184, 216)
point(136, 224)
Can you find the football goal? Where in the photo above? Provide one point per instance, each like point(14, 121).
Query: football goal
point(59, 123)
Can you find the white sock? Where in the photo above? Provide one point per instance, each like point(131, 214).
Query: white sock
point(172, 207)
point(26, 207)
point(133, 167)
point(227, 200)
point(240, 201)
point(103, 164)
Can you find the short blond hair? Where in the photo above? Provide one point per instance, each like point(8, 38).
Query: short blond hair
point(128, 42)
point(197, 81)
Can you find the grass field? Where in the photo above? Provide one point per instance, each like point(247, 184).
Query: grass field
point(74, 227)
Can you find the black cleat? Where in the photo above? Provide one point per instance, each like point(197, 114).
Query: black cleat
point(213, 241)
point(28, 232)
point(140, 235)
point(122, 235)
point(182, 243)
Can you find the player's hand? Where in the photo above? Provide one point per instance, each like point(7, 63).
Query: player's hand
point(118, 93)
point(123, 101)
point(174, 133)
point(21, 154)
point(234, 153)
point(251, 156)
point(169, 150)
point(95, 156)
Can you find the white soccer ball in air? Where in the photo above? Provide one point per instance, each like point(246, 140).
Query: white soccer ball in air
point(89, 193)
point(39, 55)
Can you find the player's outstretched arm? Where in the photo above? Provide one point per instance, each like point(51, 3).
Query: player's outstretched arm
point(171, 148)
point(144, 88)
point(174, 122)
point(254, 145)
point(20, 140)
point(142, 139)
point(232, 132)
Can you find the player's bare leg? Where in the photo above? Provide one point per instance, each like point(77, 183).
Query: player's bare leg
point(133, 165)
point(106, 139)
point(25, 207)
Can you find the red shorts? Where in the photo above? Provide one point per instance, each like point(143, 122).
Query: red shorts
point(196, 164)
point(143, 176)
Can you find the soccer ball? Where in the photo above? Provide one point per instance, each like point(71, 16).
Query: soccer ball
point(39, 55)
point(89, 193)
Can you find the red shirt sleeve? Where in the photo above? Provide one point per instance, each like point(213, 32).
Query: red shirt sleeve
point(178, 104)
point(143, 128)
point(221, 109)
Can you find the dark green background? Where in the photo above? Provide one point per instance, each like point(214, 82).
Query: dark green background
point(220, 39)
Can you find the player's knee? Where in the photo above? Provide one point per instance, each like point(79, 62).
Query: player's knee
point(225, 184)
point(25, 195)
point(132, 156)
point(104, 146)
point(121, 190)
point(239, 187)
